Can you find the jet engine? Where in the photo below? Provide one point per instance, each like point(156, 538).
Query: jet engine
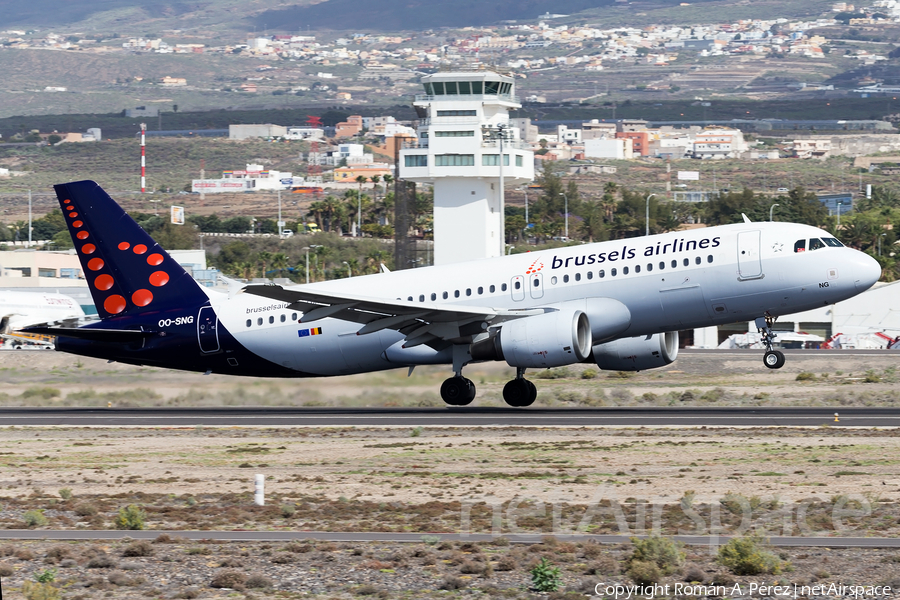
point(637, 353)
point(552, 339)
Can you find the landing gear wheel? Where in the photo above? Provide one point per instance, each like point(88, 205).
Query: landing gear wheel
point(458, 391)
point(774, 359)
point(519, 393)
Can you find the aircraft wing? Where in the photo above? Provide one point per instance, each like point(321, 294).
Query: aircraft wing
point(421, 322)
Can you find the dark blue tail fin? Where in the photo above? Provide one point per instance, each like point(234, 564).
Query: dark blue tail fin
point(126, 269)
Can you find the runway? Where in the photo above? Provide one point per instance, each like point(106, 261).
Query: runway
point(536, 538)
point(454, 417)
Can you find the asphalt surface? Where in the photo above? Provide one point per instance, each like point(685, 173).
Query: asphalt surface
point(276, 536)
point(453, 417)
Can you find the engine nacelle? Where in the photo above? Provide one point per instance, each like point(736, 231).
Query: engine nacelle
point(637, 353)
point(552, 339)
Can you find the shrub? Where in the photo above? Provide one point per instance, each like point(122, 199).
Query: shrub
point(604, 565)
point(45, 393)
point(644, 572)
point(452, 582)
point(744, 556)
point(65, 493)
point(507, 563)
point(33, 590)
point(257, 581)
point(288, 510)
point(470, 567)
point(661, 551)
point(35, 518)
point(85, 510)
point(545, 577)
point(45, 576)
point(101, 561)
point(6, 570)
point(416, 432)
point(694, 573)
point(130, 517)
point(229, 579)
point(806, 376)
point(588, 374)
point(140, 548)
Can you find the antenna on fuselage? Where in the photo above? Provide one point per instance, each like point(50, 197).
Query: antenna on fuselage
point(746, 218)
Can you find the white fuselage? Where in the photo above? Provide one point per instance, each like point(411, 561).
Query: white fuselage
point(24, 309)
point(669, 282)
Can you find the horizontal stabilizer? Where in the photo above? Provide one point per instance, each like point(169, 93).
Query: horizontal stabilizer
point(97, 335)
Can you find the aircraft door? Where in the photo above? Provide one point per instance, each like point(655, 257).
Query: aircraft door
point(208, 330)
point(536, 285)
point(749, 261)
point(517, 288)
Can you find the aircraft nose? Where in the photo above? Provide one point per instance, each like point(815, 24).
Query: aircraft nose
point(867, 271)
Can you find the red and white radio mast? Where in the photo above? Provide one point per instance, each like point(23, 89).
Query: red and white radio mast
point(143, 159)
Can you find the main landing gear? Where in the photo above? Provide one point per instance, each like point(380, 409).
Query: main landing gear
point(458, 391)
point(773, 359)
point(519, 392)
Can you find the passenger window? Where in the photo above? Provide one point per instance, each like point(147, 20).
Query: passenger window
point(800, 246)
point(662, 265)
point(553, 280)
point(259, 321)
point(283, 318)
point(456, 293)
point(637, 268)
point(577, 276)
point(468, 291)
point(590, 274)
point(612, 272)
point(674, 263)
point(601, 274)
point(649, 266)
point(271, 320)
point(480, 290)
point(492, 289)
point(410, 299)
point(832, 242)
point(249, 322)
point(503, 287)
point(294, 315)
point(445, 295)
point(433, 296)
point(624, 270)
point(687, 262)
point(697, 260)
point(537, 282)
point(565, 279)
point(815, 244)
point(709, 258)
point(518, 284)
point(422, 298)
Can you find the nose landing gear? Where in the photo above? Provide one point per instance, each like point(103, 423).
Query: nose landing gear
point(773, 359)
point(519, 392)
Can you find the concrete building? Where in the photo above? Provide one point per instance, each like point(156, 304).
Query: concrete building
point(350, 173)
point(596, 129)
point(568, 136)
point(719, 144)
point(305, 133)
point(351, 127)
point(463, 115)
point(527, 132)
point(254, 177)
point(617, 148)
point(245, 132)
point(640, 141)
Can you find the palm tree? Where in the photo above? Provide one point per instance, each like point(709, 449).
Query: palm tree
point(263, 258)
point(279, 262)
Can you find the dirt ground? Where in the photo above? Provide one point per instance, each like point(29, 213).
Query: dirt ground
point(777, 481)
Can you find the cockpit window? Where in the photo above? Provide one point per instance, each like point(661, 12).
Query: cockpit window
point(815, 244)
point(800, 246)
point(834, 243)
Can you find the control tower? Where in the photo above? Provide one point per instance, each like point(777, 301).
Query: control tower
point(464, 121)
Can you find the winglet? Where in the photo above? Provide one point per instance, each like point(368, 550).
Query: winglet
point(746, 218)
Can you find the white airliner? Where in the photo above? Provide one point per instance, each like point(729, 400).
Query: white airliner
point(616, 304)
point(24, 309)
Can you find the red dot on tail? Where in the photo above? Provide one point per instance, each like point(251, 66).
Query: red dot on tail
point(103, 282)
point(140, 249)
point(142, 297)
point(95, 264)
point(77, 224)
point(154, 259)
point(88, 248)
point(73, 214)
point(124, 246)
point(82, 235)
point(114, 304)
point(67, 201)
point(159, 278)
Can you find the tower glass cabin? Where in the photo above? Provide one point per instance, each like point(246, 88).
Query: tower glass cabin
point(461, 118)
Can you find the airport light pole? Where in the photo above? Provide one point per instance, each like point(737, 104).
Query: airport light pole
point(307, 263)
point(839, 204)
point(647, 215)
point(771, 208)
point(879, 243)
point(567, 214)
point(349, 271)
